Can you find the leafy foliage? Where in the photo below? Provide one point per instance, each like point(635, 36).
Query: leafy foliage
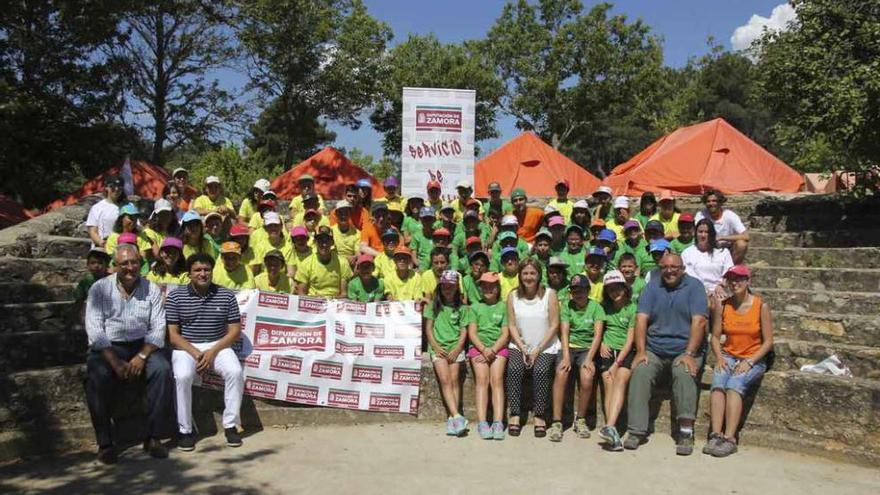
point(236, 170)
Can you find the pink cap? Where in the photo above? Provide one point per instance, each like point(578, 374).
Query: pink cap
point(555, 220)
point(449, 277)
point(364, 258)
point(172, 242)
point(298, 231)
point(127, 238)
point(738, 271)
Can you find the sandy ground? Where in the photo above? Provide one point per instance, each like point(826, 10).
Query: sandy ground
point(419, 458)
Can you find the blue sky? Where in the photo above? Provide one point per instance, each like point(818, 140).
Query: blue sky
point(684, 25)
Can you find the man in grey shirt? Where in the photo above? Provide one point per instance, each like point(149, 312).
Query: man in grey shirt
point(125, 322)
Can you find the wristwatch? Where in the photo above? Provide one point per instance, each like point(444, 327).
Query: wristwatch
point(142, 356)
point(691, 354)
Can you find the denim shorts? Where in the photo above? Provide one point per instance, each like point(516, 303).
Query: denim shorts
point(727, 380)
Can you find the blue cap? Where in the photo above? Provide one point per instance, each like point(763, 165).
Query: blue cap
point(597, 251)
point(508, 250)
point(191, 216)
point(426, 212)
point(607, 235)
point(506, 235)
point(654, 225)
point(364, 183)
point(478, 254)
point(659, 245)
point(390, 233)
point(129, 209)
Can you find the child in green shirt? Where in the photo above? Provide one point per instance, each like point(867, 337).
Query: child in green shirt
point(470, 283)
point(364, 287)
point(685, 237)
point(628, 266)
point(97, 262)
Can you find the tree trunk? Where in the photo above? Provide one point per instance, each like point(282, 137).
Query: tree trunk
point(160, 128)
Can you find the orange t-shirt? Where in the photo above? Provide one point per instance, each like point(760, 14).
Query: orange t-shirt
point(529, 223)
point(371, 235)
point(359, 217)
point(743, 331)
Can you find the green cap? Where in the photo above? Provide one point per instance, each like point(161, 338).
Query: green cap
point(506, 235)
point(518, 193)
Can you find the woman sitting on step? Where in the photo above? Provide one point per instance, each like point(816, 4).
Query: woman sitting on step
point(745, 321)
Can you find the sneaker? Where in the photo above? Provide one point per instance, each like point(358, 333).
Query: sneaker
point(580, 428)
point(498, 430)
point(450, 427)
point(610, 435)
point(186, 442)
point(459, 424)
point(633, 441)
point(107, 455)
point(233, 439)
point(155, 449)
point(712, 443)
point(685, 444)
point(556, 431)
point(724, 448)
point(485, 430)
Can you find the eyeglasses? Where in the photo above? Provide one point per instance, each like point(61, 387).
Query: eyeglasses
point(671, 268)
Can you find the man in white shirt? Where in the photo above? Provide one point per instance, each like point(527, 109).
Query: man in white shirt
point(731, 232)
point(103, 214)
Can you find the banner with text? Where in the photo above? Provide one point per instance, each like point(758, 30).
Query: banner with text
point(329, 352)
point(438, 138)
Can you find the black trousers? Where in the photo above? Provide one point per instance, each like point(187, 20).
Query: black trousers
point(102, 385)
point(542, 383)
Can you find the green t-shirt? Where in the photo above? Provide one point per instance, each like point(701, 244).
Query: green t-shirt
point(582, 322)
point(471, 289)
point(490, 318)
point(81, 292)
point(460, 238)
point(637, 287)
point(506, 207)
point(563, 295)
point(624, 247)
point(678, 247)
point(618, 324)
point(411, 225)
point(646, 263)
point(522, 248)
point(448, 323)
point(374, 291)
point(421, 247)
point(576, 261)
point(643, 219)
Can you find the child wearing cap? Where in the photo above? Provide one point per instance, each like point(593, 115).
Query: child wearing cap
point(311, 219)
point(667, 216)
point(488, 335)
point(496, 202)
point(439, 264)
point(465, 196)
point(647, 208)
point(557, 278)
point(256, 222)
point(214, 229)
point(603, 209)
point(621, 216)
point(509, 276)
point(557, 228)
point(685, 237)
point(97, 262)
point(213, 199)
point(162, 224)
point(273, 277)
point(371, 233)
point(395, 217)
point(383, 264)
point(392, 196)
point(232, 273)
point(616, 352)
point(302, 248)
point(446, 324)
point(629, 267)
point(422, 241)
point(581, 323)
point(470, 227)
point(447, 219)
point(435, 190)
point(649, 262)
point(249, 204)
point(306, 185)
point(479, 263)
point(240, 234)
point(192, 232)
point(170, 267)
point(411, 222)
point(607, 242)
point(473, 245)
point(596, 264)
point(274, 238)
point(324, 273)
point(364, 287)
point(580, 215)
point(443, 239)
point(633, 242)
point(404, 283)
point(574, 254)
point(561, 202)
point(126, 222)
point(541, 248)
point(506, 239)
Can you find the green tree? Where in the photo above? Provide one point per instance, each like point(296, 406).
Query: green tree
point(820, 79)
point(381, 170)
point(270, 136)
point(313, 59)
point(422, 61)
point(234, 168)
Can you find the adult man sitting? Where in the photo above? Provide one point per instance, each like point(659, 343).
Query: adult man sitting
point(125, 323)
point(203, 323)
point(669, 338)
point(730, 232)
point(529, 218)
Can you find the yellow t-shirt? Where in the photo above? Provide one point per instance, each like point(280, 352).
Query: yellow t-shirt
point(404, 290)
point(263, 246)
point(299, 219)
point(429, 283)
point(203, 202)
point(207, 247)
point(323, 279)
point(383, 266)
point(399, 202)
point(459, 209)
point(240, 278)
point(618, 229)
point(261, 281)
point(247, 208)
point(149, 237)
point(596, 291)
point(296, 205)
point(508, 284)
point(563, 208)
point(249, 257)
point(347, 243)
point(168, 279)
point(111, 242)
point(670, 227)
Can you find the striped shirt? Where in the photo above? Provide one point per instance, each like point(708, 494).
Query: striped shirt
point(111, 317)
point(202, 318)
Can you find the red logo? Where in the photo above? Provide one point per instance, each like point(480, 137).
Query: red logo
point(406, 376)
point(327, 369)
point(368, 374)
point(312, 304)
point(260, 388)
point(275, 337)
point(343, 347)
point(302, 394)
point(389, 351)
point(429, 118)
point(268, 300)
point(340, 328)
point(369, 330)
point(286, 364)
point(349, 399)
point(351, 307)
point(253, 360)
point(385, 402)
point(210, 379)
point(414, 404)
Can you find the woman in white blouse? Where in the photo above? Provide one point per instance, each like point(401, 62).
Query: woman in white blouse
point(707, 262)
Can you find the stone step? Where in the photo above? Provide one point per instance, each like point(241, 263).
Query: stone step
point(42, 349)
point(844, 328)
point(800, 223)
point(42, 316)
point(819, 279)
point(812, 301)
point(863, 361)
point(861, 257)
point(840, 207)
point(24, 292)
point(46, 246)
point(47, 271)
point(812, 238)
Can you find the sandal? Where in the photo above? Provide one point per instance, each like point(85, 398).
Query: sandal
point(540, 431)
point(514, 430)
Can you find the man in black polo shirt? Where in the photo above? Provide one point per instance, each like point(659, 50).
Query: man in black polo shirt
point(203, 323)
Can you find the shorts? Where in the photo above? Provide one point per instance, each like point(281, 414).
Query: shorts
point(578, 357)
point(435, 357)
point(727, 380)
point(605, 364)
point(473, 352)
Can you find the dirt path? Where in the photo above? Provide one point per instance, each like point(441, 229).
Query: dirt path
point(419, 458)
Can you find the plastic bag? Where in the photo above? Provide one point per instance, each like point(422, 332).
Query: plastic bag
point(832, 365)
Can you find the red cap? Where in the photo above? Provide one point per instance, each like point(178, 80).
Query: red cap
point(472, 240)
point(402, 250)
point(563, 181)
point(441, 231)
point(434, 184)
point(266, 203)
point(686, 218)
point(364, 258)
point(489, 278)
point(666, 195)
point(598, 223)
point(310, 211)
point(738, 271)
point(239, 229)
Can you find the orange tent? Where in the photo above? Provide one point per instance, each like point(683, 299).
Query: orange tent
point(332, 172)
point(709, 155)
point(11, 213)
point(149, 180)
point(528, 162)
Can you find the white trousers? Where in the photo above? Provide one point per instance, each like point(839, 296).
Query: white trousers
point(226, 364)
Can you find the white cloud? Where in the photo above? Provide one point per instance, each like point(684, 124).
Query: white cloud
point(778, 21)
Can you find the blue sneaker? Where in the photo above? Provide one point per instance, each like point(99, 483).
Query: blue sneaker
point(459, 424)
point(485, 430)
point(498, 430)
point(450, 427)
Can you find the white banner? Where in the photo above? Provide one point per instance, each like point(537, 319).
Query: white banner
point(438, 138)
point(329, 352)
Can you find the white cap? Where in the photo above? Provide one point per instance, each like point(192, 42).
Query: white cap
point(212, 179)
point(262, 184)
point(212, 214)
point(343, 204)
point(613, 277)
point(509, 220)
point(581, 203)
point(603, 189)
point(416, 196)
point(464, 183)
point(162, 205)
point(621, 202)
point(550, 209)
point(271, 217)
point(178, 170)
